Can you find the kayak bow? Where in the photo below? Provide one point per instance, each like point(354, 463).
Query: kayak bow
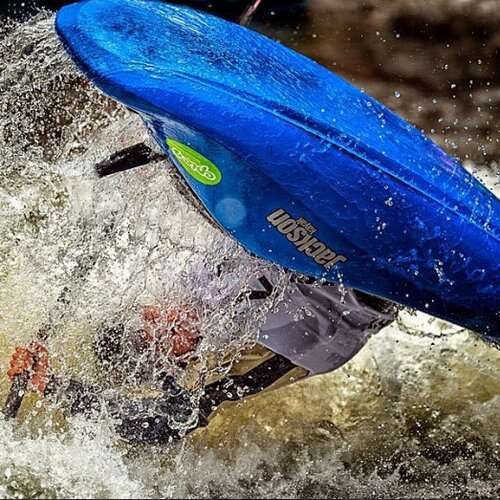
point(295, 163)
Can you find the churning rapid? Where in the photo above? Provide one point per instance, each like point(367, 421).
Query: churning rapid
point(416, 414)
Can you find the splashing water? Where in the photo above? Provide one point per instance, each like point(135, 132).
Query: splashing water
point(415, 414)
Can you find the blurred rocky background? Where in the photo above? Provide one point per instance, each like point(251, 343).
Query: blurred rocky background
point(435, 62)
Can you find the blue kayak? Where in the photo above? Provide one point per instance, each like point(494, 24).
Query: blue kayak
point(295, 163)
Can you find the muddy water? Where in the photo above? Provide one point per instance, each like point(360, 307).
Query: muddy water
point(416, 414)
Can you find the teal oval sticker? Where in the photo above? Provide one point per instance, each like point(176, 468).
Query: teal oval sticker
point(195, 164)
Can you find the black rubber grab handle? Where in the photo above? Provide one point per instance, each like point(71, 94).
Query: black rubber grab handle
point(126, 159)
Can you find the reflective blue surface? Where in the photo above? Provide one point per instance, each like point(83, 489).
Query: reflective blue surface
point(316, 176)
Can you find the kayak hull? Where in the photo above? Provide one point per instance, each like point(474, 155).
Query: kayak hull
point(297, 165)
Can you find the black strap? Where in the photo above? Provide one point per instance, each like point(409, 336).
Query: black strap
point(262, 294)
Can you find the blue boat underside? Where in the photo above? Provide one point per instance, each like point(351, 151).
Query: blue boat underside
point(295, 163)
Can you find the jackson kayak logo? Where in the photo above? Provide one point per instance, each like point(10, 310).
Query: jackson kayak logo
point(300, 232)
point(195, 164)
